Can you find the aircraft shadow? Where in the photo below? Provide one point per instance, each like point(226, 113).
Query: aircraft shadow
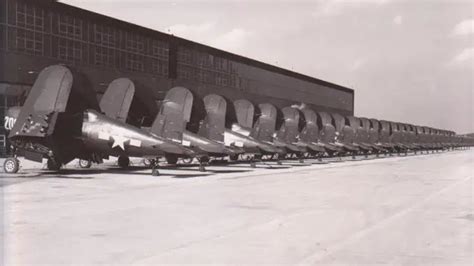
point(72, 173)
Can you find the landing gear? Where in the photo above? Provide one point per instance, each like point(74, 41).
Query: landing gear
point(147, 162)
point(53, 165)
point(155, 172)
point(253, 164)
point(301, 157)
point(85, 163)
point(11, 165)
point(202, 168)
point(202, 161)
point(171, 159)
point(154, 167)
point(187, 160)
point(123, 161)
point(234, 157)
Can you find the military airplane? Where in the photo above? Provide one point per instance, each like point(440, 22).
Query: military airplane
point(257, 137)
point(211, 135)
point(60, 121)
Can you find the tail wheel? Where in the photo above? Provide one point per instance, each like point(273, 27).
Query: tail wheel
point(147, 162)
point(187, 160)
point(11, 165)
point(53, 165)
point(85, 163)
point(123, 161)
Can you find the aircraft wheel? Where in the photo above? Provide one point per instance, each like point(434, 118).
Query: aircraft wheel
point(147, 162)
point(234, 157)
point(11, 165)
point(85, 163)
point(123, 161)
point(53, 165)
point(187, 160)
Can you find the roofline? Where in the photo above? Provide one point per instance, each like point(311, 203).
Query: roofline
point(172, 38)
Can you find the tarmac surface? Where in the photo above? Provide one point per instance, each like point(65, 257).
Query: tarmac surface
point(408, 210)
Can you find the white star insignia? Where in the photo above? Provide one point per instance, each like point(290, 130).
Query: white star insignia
point(119, 141)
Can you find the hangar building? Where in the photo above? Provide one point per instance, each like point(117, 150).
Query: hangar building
point(38, 33)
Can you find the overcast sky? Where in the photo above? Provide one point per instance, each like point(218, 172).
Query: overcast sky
point(408, 61)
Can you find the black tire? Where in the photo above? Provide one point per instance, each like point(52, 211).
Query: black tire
point(234, 157)
point(11, 165)
point(85, 164)
point(123, 161)
point(171, 159)
point(53, 165)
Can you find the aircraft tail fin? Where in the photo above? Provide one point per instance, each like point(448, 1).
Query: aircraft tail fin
point(288, 132)
point(310, 132)
point(264, 127)
point(174, 114)
point(244, 111)
point(213, 125)
point(47, 98)
point(117, 99)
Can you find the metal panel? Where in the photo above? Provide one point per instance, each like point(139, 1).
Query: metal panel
point(213, 126)
point(244, 111)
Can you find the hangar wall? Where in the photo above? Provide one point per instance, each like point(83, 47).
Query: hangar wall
point(38, 33)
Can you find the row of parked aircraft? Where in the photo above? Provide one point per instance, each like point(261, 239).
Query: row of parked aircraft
point(61, 120)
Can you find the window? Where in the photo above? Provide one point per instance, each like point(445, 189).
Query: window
point(160, 49)
point(104, 35)
point(160, 67)
point(70, 26)
point(234, 81)
point(29, 42)
point(29, 17)
point(134, 62)
point(220, 64)
point(69, 50)
point(103, 56)
point(134, 43)
point(184, 56)
point(221, 79)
